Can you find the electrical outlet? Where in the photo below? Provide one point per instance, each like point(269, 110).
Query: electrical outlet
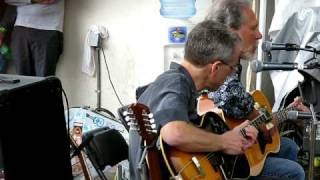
point(173, 53)
point(93, 39)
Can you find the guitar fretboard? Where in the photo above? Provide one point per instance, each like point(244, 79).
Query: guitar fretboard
point(282, 115)
point(259, 120)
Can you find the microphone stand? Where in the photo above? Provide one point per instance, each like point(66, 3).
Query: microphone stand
point(310, 83)
point(269, 56)
point(98, 90)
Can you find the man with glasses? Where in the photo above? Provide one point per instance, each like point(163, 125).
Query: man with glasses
point(232, 98)
point(235, 68)
point(211, 52)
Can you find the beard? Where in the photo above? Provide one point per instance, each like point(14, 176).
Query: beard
point(249, 53)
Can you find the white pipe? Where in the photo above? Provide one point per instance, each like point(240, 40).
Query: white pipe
point(262, 28)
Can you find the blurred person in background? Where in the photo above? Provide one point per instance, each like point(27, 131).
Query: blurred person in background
point(37, 37)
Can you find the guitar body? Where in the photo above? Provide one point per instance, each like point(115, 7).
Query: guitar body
point(178, 159)
point(267, 143)
point(215, 165)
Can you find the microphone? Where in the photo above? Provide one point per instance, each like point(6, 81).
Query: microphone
point(293, 115)
point(258, 66)
point(269, 46)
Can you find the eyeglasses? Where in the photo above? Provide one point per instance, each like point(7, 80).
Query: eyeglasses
point(234, 68)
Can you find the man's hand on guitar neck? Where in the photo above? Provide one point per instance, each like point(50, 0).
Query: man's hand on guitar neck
point(298, 104)
point(235, 142)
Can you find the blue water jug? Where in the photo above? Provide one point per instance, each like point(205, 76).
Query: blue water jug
point(178, 9)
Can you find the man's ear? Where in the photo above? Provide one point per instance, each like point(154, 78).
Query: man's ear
point(215, 66)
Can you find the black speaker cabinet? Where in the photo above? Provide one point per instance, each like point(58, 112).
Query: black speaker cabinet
point(33, 136)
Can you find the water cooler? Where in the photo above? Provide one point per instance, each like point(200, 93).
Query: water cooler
point(176, 14)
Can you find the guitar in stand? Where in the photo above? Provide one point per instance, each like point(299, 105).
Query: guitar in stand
point(140, 119)
point(81, 157)
point(83, 120)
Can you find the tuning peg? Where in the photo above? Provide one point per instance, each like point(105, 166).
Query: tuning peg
point(127, 118)
point(151, 120)
point(150, 115)
point(125, 113)
point(153, 126)
point(154, 131)
point(129, 123)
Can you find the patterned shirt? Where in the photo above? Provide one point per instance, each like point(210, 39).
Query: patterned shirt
point(232, 97)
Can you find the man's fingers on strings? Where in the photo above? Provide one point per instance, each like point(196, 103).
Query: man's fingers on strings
point(243, 132)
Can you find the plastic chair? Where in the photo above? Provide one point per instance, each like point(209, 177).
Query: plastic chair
point(105, 147)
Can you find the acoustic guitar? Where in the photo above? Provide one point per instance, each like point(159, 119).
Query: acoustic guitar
point(141, 120)
point(211, 165)
point(82, 160)
point(268, 140)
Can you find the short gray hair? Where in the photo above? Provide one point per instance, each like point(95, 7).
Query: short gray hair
point(209, 41)
point(229, 12)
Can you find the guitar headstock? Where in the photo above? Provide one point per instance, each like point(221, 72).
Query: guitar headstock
point(139, 118)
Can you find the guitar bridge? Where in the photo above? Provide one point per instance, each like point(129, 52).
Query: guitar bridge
point(198, 166)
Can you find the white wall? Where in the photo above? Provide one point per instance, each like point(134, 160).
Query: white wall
point(134, 50)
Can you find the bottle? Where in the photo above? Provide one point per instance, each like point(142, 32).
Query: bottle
point(178, 9)
point(4, 49)
point(5, 55)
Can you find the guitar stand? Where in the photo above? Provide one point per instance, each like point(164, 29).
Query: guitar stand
point(310, 83)
point(142, 171)
point(143, 156)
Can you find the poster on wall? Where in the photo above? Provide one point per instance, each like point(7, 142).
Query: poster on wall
point(177, 34)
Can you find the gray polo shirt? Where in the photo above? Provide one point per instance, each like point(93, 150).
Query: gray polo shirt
point(172, 96)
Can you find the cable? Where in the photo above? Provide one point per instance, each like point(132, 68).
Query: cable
point(114, 90)
point(68, 118)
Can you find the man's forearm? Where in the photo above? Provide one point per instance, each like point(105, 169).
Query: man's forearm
point(190, 138)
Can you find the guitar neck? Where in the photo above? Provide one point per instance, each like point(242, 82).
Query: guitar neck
point(153, 164)
point(282, 115)
point(142, 121)
point(259, 120)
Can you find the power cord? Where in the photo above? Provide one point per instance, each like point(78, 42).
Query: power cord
point(68, 117)
point(114, 90)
